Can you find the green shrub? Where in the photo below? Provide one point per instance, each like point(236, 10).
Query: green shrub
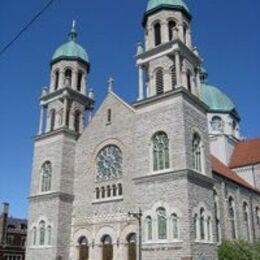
point(239, 250)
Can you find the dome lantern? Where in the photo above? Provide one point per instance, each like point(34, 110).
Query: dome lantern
point(71, 50)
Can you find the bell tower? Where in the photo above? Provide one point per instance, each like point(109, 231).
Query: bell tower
point(63, 105)
point(65, 102)
point(168, 59)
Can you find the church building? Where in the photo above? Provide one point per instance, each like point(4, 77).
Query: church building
point(167, 177)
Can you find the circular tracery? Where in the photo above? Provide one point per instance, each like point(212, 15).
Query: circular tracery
point(109, 163)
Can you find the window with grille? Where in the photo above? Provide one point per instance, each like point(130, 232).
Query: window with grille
point(159, 82)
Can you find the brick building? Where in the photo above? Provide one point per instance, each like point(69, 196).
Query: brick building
point(13, 234)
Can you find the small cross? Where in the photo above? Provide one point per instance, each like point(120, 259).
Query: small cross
point(110, 84)
point(74, 24)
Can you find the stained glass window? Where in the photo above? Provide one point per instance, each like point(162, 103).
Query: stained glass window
point(42, 232)
point(161, 158)
point(46, 173)
point(162, 223)
point(196, 152)
point(109, 163)
point(175, 225)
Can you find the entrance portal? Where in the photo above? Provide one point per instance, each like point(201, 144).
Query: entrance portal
point(107, 249)
point(131, 239)
point(83, 249)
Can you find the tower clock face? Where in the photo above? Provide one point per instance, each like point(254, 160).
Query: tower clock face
point(109, 163)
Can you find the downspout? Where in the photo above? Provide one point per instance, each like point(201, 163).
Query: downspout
point(254, 177)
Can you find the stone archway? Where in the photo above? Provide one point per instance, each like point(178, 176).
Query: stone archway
point(83, 248)
point(107, 248)
point(131, 244)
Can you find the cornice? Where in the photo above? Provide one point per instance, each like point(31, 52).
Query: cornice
point(53, 195)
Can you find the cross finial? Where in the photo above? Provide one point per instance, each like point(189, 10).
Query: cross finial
point(110, 84)
point(74, 24)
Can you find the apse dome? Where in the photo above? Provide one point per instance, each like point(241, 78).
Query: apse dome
point(216, 99)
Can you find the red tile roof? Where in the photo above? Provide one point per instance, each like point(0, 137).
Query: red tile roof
point(246, 153)
point(222, 170)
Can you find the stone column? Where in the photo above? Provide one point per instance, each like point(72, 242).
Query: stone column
point(74, 79)
point(188, 38)
point(198, 83)
point(83, 84)
point(164, 32)
point(41, 120)
point(141, 82)
point(184, 76)
point(178, 68)
point(61, 79)
point(65, 111)
point(181, 32)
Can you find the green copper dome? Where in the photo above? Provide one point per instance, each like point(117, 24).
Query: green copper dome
point(216, 99)
point(71, 50)
point(155, 5)
point(152, 4)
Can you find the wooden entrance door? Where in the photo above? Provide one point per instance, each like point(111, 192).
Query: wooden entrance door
point(131, 251)
point(83, 252)
point(107, 252)
point(131, 239)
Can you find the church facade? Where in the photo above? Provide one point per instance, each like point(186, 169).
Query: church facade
point(164, 178)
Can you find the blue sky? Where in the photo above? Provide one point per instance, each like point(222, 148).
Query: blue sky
point(226, 33)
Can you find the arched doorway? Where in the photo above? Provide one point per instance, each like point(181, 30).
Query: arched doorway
point(107, 248)
point(83, 249)
point(131, 240)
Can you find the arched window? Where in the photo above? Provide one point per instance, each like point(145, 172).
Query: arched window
point(196, 152)
point(46, 175)
point(49, 235)
point(42, 233)
point(77, 118)
point(209, 229)
point(120, 189)
point(175, 226)
point(196, 224)
point(217, 220)
point(246, 220)
point(114, 190)
point(159, 82)
point(34, 236)
point(53, 119)
point(202, 224)
point(79, 81)
point(103, 192)
point(189, 81)
point(160, 151)
point(149, 228)
point(171, 25)
point(232, 217)
point(216, 123)
point(157, 34)
point(108, 191)
point(257, 211)
point(173, 76)
point(97, 193)
point(83, 248)
point(68, 77)
point(57, 79)
point(162, 223)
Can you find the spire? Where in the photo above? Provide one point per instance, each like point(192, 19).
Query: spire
point(73, 33)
